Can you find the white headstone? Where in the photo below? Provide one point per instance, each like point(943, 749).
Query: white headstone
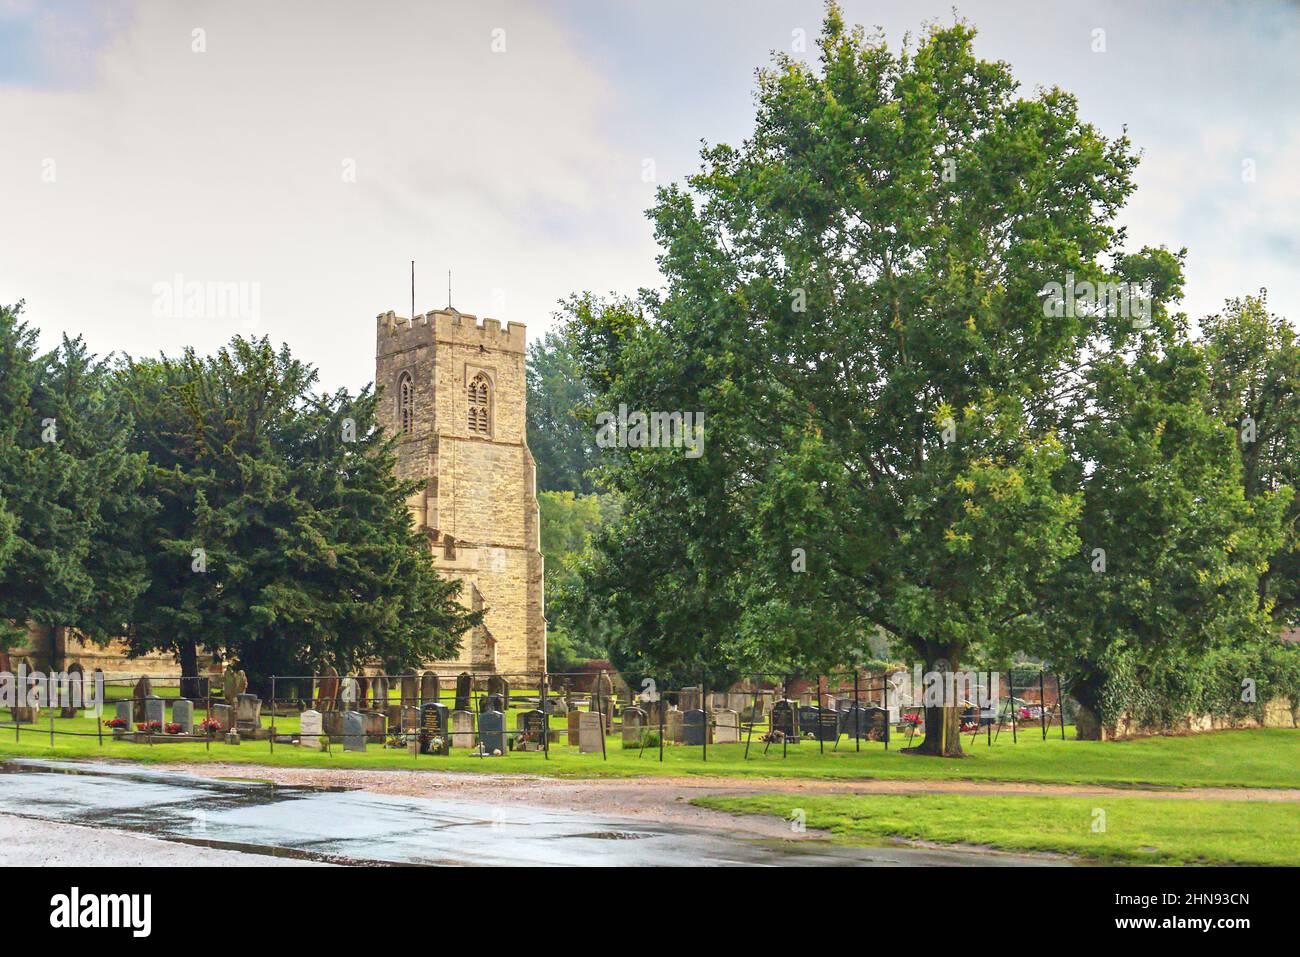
point(310, 728)
point(590, 731)
point(462, 729)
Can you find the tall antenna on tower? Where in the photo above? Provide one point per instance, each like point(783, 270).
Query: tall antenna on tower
point(448, 288)
point(412, 292)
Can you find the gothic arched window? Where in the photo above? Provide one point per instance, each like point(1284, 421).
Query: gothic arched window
point(480, 405)
point(406, 403)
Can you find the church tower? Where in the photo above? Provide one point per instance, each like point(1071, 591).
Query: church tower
point(453, 390)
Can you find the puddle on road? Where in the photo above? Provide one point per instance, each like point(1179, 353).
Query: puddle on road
point(339, 825)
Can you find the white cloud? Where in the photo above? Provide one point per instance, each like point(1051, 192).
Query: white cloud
point(227, 165)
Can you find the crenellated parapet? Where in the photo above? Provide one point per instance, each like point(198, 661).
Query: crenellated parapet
point(394, 333)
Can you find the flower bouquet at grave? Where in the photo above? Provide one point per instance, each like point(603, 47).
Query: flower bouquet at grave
point(208, 726)
point(152, 727)
point(116, 724)
point(173, 728)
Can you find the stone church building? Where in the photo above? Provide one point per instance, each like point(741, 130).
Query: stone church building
point(454, 391)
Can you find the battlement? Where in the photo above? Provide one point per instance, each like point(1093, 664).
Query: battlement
point(448, 325)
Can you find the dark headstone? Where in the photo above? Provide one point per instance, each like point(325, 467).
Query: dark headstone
point(143, 689)
point(492, 731)
point(435, 729)
point(822, 724)
point(491, 702)
point(500, 686)
point(693, 726)
point(531, 728)
point(354, 731)
point(860, 721)
point(463, 688)
point(785, 719)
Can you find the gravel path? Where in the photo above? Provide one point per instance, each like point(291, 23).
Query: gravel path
point(32, 843)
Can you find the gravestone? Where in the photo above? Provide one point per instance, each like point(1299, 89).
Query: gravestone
point(463, 689)
point(233, 684)
point(332, 724)
point(785, 719)
point(726, 727)
point(363, 691)
point(376, 726)
point(430, 688)
point(869, 724)
point(499, 686)
point(590, 731)
point(348, 692)
point(410, 689)
point(224, 715)
point(492, 732)
point(462, 729)
point(379, 692)
point(248, 712)
point(410, 719)
point(673, 726)
point(690, 698)
point(183, 714)
point(310, 729)
point(435, 734)
point(693, 726)
point(557, 706)
point(143, 689)
point(531, 728)
point(634, 722)
point(75, 700)
point(822, 724)
point(155, 710)
point(491, 702)
point(354, 731)
point(124, 712)
point(328, 693)
point(573, 719)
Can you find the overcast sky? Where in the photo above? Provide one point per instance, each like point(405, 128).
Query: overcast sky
point(312, 149)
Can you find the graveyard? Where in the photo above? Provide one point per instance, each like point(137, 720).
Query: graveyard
point(436, 734)
point(811, 756)
point(1149, 787)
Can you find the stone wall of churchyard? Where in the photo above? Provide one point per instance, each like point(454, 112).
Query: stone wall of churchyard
point(61, 648)
point(1243, 687)
point(1277, 713)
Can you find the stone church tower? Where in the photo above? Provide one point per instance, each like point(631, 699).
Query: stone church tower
point(453, 389)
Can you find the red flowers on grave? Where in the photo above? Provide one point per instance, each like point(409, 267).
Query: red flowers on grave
point(117, 724)
point(153, 727)
point(209, 725)
point(173, 728)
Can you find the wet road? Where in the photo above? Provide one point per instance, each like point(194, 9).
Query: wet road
point(359, 827)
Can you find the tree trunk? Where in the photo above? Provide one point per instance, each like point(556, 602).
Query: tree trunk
point(189, 656)
point(942, 722)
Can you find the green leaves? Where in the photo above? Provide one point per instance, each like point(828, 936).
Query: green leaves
point(310, 555)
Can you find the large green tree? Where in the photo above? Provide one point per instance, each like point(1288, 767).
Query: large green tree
point(560, 430)
point(1164, 586)
point(284, 540)
point(854, 299)
point(71, 490)
point(1254, 361)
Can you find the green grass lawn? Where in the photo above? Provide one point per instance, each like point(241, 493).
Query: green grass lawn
point(1259, 758)
point(1137, 830)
